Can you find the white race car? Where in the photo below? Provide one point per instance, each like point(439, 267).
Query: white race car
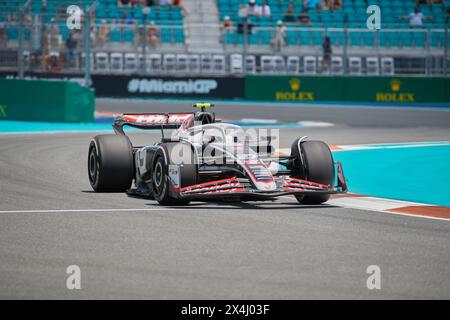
point(207, 159)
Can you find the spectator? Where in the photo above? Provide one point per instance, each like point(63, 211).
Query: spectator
point(334, 4)
point(3, 34)
point(61, 11)
point(252, 9)
point(71, 47)
point(93, 36)
point(279, 39)
point(303, 18)
point(52, 62)
point(241, 27)
point(103, 34)
point(327, 51)
point(139, 35)
point(54, 43)
point(416, 18)
point(289, 15)
point(153, 35)
point(136, 33)
point(124, 3)
point(166, 3)
point(180, 4)
point(430, 2)
point(264, 10)
point(151, 3)
point(242, 12)
point(227, 24)
point(54, 38)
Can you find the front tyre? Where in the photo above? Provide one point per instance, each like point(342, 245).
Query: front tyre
point(110, 163)
point(160, 178)
point(314, 162)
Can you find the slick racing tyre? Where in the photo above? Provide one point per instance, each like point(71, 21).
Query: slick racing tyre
point(314, 162)
point(161, 184)
point(110, 163)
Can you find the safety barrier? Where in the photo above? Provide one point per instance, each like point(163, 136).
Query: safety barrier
point(348, 89)
point(50, 101)
point(398, 90)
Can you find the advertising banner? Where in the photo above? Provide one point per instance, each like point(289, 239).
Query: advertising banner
point(396, 89)
point(168, 87)
point(268, 88)
point(294, 89)
point(129, 86)
point(348, 89)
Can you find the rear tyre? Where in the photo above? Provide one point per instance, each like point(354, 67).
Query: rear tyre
point(160, 177)
point(314, 162)
point(110, 163)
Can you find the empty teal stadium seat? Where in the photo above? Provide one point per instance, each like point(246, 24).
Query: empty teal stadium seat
point(128, 35)
point(13, 32)
point(356, 39)
point(114, 35)
point(419, 39)
point(368, 39)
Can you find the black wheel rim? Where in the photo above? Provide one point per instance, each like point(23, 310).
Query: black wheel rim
point(93, 166)
point(158, 178)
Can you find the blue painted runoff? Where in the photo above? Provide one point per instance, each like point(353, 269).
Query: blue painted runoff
point(417, 174)
point(7, 126)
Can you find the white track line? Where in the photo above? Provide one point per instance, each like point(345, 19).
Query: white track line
point(364, 204)
point(380, 205)
point(390, 212)
point(253, 120)
point(377, 204)
point(86, 210)
point(404, 214)
point(315, 124)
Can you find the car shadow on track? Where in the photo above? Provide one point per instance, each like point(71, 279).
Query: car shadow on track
point(245, 205)
point(230, 205)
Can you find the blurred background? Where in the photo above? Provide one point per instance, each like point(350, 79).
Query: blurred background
point(224, 37)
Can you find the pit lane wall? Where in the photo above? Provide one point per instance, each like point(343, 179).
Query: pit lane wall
point(42, 100)
point(348, 89)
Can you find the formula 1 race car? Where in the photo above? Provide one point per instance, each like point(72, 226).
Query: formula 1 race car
point(207, 159)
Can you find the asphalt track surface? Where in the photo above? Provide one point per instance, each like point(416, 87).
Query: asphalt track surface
point(132, 248)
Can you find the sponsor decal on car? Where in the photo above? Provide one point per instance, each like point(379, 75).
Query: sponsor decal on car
point(174, 175)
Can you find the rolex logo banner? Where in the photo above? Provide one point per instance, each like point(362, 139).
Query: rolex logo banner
point(399, 90)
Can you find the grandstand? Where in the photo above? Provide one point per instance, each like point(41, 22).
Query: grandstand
point(55, 12)
point(352, 15)
point(128, 39)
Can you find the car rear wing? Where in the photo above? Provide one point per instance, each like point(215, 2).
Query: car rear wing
point(151, 121)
